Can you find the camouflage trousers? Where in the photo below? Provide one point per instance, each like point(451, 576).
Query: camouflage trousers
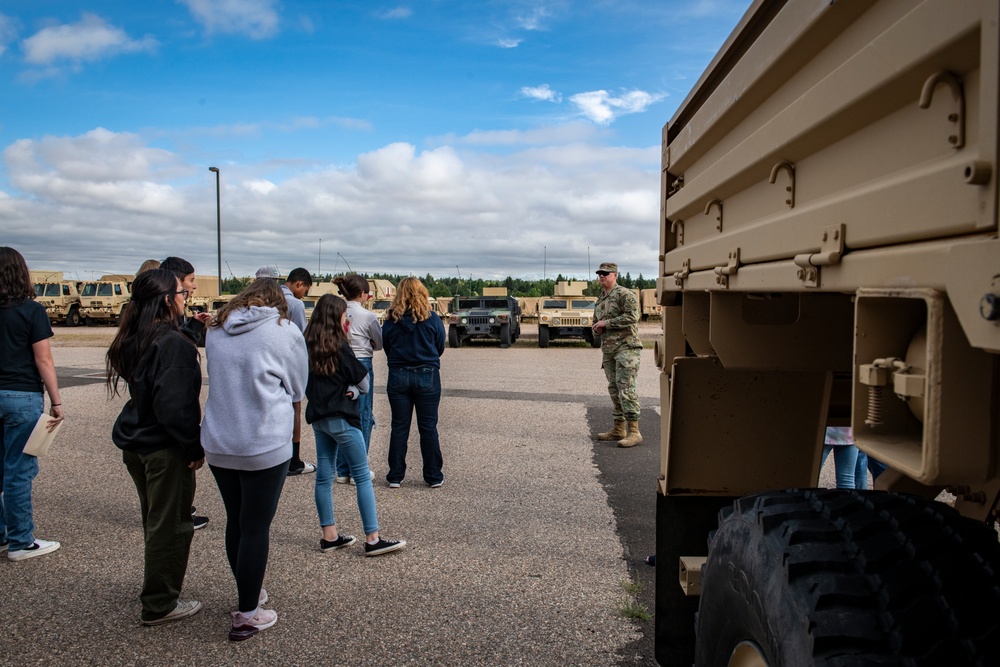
point(622, 369)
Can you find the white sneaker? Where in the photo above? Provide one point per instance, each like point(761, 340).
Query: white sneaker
point(245, 628)
point(39, 548)
point(343, 480)
point(183, 609)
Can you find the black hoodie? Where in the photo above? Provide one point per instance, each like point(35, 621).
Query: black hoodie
point(327, 394)
point(164, 409)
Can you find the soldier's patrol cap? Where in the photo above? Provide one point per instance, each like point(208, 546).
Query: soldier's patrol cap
point(607, 267)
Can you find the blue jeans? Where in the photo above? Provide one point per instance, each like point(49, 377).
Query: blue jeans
point(412, 389)
point(845, 459)
point(336, 439)
point(19, 410)
point(367, 418)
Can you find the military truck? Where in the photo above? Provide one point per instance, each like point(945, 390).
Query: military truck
point(567, 314)
point(829, 256)
point(61, 300)
point(102, 300)
point(649, 305)
point(494, 316)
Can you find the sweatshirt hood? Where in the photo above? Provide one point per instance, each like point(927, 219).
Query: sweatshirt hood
point(247, 319)
point(406, 322)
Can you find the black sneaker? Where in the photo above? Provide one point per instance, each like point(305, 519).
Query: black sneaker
point(199, 521)
point(304, 469)
point(339, 543)
point(383, 547)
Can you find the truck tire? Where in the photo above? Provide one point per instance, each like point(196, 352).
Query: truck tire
point(543, 335)
point(454, 338)
point(73, 317)
point(505, 335)
point(827, 577)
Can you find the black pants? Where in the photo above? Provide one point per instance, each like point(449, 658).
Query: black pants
point(251, 499)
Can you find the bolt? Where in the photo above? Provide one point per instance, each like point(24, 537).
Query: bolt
point(953, 117)
point(989, 307)
point(952, 139)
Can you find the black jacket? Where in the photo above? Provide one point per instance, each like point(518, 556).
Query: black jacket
point(164, 409)
point(327, 393)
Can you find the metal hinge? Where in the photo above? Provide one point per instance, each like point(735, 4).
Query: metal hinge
point(682, 275)
point(831, 250)
point(722, 273)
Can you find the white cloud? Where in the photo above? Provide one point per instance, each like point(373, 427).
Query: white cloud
point(257, 19)
point(400, 12)
point(600, 107)
point(92, 38)
point(8, 32)
point(542, 92)
point(534, 19)
point(506, 43)
point(114, 200)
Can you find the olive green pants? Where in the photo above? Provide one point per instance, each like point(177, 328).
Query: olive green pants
point(166, 490)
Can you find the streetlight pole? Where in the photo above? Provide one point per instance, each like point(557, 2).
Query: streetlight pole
point(218, 222)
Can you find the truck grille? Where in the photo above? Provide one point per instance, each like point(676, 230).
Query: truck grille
point(571, 321)
point(478, 320)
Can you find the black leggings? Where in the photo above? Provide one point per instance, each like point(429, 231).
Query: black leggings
point(251, 499)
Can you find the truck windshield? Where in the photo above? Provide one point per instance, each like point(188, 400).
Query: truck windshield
point(90, 289)
point(39, 289)
point(52, 290)
point(553, 303)
point(104, 289)
point(381, 305)
point(582, 304)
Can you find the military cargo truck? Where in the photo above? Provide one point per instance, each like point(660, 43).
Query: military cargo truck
point(102, 300)
point(494, 316)
point(650, 306)
point(829, 256)
point(567, 314)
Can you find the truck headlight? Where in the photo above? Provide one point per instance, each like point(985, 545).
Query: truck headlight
point(493, 320)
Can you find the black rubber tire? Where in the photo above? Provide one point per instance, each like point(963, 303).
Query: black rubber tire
point(73, 317)
point(543, 335)
point(454, 338)
point(846, 578)
point(505, 335)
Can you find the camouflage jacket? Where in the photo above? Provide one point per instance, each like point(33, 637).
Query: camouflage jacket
point(619, 309)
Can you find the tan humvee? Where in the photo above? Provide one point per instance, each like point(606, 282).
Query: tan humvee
point(529, 307)
point(650, 306)
point(102, 300)
point(567, 314)
point(829, 257)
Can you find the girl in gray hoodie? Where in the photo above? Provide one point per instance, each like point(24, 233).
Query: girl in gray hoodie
point(257, 367)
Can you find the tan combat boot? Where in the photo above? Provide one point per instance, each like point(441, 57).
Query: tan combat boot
point(633, 438)
point(616, 433)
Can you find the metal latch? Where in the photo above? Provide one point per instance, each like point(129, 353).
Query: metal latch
point(906, 384)
point(682, 275)
point(831, 250)
point(722, 273)
point(677, 228)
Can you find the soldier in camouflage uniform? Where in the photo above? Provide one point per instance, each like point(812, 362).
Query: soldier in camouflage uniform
point(616, 318)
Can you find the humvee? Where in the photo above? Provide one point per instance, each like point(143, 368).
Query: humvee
point(829, 256)
point(484, 317)
point(61, 298)
point(102, 300)
point(568, 314)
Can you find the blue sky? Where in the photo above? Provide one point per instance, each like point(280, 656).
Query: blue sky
point(488, 138)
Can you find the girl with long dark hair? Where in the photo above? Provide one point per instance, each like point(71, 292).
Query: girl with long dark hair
point(365, 336)
point(336, 378)
point(257, 368)
point(158, 432)
point(25, 367)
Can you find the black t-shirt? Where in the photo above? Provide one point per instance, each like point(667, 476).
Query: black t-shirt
point(21, 326)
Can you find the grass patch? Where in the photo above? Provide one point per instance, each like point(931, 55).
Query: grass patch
point(629, 607)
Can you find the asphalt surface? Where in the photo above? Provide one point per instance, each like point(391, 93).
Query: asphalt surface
point(519, 559)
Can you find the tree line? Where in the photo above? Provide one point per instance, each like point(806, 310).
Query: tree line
point(448, 287)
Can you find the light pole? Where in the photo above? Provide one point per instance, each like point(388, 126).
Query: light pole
point(218, 222)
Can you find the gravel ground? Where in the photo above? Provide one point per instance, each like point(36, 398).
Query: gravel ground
point(516, 560)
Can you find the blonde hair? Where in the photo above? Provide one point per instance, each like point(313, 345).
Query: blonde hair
point(411, 296)
point(261, 292)
point(148, 265)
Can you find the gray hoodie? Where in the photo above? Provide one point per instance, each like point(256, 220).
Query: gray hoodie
point(257, 367)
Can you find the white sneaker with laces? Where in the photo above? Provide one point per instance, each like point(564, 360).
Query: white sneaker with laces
point(245, 627)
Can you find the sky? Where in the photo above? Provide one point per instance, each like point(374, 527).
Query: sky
point(471, 138)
